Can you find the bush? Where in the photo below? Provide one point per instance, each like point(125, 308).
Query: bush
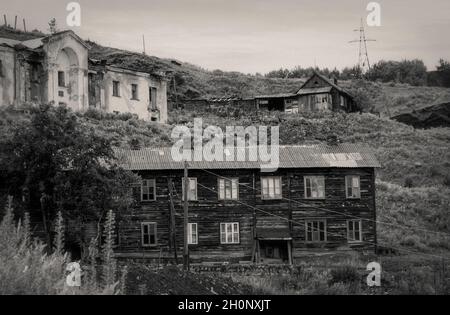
point(27, 267)
point(345, 274)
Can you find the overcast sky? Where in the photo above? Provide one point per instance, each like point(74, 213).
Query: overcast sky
point(253, 35)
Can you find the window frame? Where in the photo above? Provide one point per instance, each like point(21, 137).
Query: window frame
point(190, 234)
point(352, 239)
point(305, 178)
point(224, 195)
point(116, 88)
point(265, 196)
point(352, 187)
point(154, 189)
point(224, 232)
point(143, 224)
point(324, 221)
point(133, 96)
point(196, 188)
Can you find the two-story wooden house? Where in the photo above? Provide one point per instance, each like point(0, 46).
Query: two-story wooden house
point(320, 199)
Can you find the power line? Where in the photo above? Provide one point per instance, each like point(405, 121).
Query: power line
point(319, 230)
point(337, 212)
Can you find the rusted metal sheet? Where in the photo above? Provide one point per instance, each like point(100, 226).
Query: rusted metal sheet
point(313, 156)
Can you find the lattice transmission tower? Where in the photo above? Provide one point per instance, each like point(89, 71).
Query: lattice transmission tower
point(363, 57)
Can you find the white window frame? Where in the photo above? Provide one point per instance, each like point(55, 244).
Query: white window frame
point(317, 180)
point(233, 188)
point(196, 190)
point(148, 224)
point(315, 233)
point(349, 181)
point(148, 187)
point(192, 230)
point(227, 236)
point(266, 187)
point(351, 232)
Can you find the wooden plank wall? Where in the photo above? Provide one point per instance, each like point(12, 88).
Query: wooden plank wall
point(208, 212)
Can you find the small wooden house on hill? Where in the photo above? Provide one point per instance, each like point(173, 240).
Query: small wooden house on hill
point(318, 93)
point(321, 199)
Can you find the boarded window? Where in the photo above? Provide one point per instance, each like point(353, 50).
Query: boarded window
point(271, 187)
point(352, 187)
point(61, 79)
point(192, 191)
point(116, 88)
point(149, 234)
point(354, 228)
point(316, 231)
point(314, 187)
point(229, 233)
point(192, 233)
point(134, 92)
point(148, 190)
point(228, 188)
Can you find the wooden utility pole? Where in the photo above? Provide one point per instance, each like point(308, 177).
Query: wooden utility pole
point(24, 26)
point(4, 17)
point(173, 237)
point(143, 43)
point(15, 23)
point(186, 221)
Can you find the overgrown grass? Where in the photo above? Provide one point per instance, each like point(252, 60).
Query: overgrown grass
point(28, 267)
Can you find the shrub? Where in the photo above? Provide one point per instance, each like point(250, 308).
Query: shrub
point(26, 267)
point(345, 274)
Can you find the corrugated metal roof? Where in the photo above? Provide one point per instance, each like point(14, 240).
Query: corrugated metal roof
point(313, 156)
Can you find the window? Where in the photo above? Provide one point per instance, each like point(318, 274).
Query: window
point(314, 187)
point(148, 233)
point(1, 69)
point(61, 79)
point(271, 187)
point(192, 191)
point(229, 233)
point(192, 233)
point(352, 187)
point(228, 189)
point(116, 88)
point(316, 231)
point(134, 92)
point(152, 98)
point(148, 190)
point(354, 228)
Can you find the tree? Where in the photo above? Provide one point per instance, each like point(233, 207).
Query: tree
point(54, 163)
point(444, 65)
point(52, 26)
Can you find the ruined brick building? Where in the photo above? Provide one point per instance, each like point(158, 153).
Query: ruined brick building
point(57, 68)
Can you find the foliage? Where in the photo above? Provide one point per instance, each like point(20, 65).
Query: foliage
point(26, 267)
point(54, 162)
point(413, 72)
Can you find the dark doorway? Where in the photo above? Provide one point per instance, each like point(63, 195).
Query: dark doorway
point(276, 104)
point(274, 251)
